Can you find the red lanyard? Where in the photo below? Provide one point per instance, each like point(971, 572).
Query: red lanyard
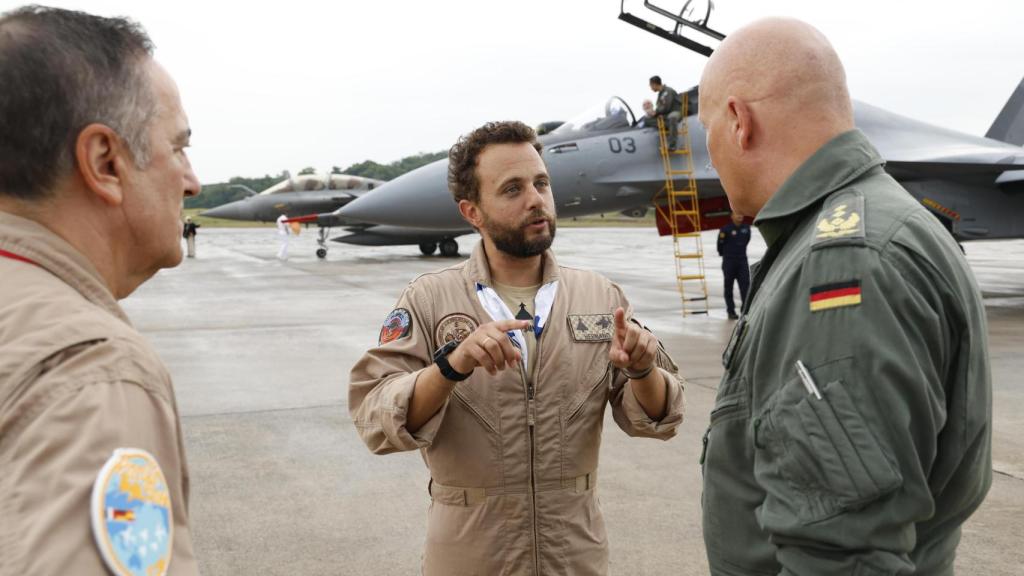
point(13, 256)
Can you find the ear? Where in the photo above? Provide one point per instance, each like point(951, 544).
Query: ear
point(101, 160)
point(471, 213)
point(741, 121)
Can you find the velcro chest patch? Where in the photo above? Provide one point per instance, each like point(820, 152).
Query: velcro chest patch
point(591, 327)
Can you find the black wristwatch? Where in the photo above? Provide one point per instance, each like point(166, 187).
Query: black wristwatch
point(441, 359)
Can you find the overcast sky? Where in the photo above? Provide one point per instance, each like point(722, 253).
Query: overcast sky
point(284, 85)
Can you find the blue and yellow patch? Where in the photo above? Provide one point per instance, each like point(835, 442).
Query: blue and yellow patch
point(132, 521)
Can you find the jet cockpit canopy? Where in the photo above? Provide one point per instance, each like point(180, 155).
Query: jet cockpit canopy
point(315, 182)
point(612, 114)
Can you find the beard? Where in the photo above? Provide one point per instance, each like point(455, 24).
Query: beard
point(512, 239)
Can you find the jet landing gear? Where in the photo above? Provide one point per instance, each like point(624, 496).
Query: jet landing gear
point(321, 240)
point(449, 248)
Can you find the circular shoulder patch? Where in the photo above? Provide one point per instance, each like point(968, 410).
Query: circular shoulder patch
point(397, 325)
point(132, 521)
point(454, 327)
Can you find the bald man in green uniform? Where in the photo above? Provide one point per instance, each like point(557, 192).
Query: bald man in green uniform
point(852, 429)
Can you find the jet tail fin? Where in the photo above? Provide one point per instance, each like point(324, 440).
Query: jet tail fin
point(1009, 125)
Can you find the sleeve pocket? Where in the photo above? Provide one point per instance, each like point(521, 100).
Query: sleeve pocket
point(818, 458)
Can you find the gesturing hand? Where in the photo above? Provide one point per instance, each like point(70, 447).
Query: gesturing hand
point(488, 346)
point(633, 348)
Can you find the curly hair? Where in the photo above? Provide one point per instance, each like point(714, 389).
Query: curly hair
point(462, 158)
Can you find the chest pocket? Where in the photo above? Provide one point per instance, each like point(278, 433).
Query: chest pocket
point(590, 337)
point(819, 454)
point(477, 398)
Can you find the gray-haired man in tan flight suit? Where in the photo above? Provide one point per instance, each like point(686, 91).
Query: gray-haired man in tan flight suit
point(93, 173)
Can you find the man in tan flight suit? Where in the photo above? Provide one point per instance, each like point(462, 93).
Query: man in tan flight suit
point(499, 370)
point(92, 178)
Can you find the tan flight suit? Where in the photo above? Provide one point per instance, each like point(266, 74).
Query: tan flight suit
point(76, 383)
point(513, 478)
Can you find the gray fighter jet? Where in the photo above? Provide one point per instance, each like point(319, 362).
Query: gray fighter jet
point(605, 160)
point(301, 196)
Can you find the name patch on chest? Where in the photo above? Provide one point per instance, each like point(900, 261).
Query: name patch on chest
point(591, 327)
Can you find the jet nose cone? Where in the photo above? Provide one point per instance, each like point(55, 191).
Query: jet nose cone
point(418, 199)
point(237, 210)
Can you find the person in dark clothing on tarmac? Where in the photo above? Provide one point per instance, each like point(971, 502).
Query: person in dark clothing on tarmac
point(732, 247)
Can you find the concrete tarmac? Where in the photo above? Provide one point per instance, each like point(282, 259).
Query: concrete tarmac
point(260, 351)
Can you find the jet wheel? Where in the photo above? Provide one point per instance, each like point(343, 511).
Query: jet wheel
point(321, 253)
point(449, 248)
point(428, 248)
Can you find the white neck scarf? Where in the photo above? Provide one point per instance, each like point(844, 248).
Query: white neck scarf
point(496, 307)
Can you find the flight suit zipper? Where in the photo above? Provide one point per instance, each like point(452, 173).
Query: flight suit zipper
point(759, 270)
point(531, 421)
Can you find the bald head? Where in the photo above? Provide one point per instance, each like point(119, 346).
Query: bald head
point(783, 61)
point(777, 92)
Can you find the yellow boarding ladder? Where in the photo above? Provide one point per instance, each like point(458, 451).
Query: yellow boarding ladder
point(682, 211)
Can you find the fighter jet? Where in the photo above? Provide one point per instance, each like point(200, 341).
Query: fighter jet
point(604, 160)
point(303, 194)
point(306, 194)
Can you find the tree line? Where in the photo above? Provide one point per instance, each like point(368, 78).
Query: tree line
point(238, 187)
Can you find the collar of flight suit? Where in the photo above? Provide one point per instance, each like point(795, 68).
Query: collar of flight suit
point(478, 269)
point(45, 249)
point(839, 162)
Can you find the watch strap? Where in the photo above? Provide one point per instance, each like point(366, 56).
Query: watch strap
point(447, 371)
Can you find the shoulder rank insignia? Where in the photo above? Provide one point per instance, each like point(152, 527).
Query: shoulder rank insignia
point(842, 217)
point(836, 295)
point(397, 325)
point(453, 327)
point(132, 521)
point(591, 327)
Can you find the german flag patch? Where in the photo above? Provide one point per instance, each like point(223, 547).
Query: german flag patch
point(836, 295)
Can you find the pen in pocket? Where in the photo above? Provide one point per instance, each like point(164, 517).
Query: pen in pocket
point(805, 375)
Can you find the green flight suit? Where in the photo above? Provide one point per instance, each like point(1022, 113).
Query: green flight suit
point(868, 290)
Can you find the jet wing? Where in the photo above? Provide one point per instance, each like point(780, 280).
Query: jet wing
point(997, 172)
point(915, 149)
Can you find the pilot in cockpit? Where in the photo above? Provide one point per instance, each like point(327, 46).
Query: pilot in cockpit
point(649, 119)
